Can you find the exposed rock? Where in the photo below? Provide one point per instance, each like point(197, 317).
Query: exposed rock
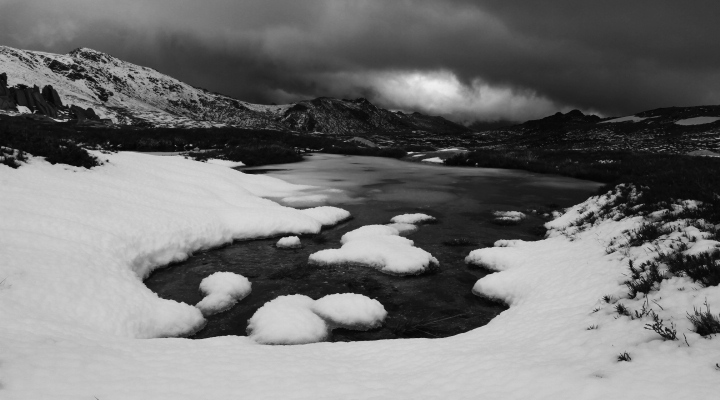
point(51, 96)
point(19, 95)
point(82, 114)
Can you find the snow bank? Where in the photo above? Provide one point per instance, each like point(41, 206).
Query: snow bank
point(412, 218)
point(289, 242)
point(697, 121)
point(434, 160)
point(222, 291)
point(378, 246)
point(77, 243)
point(327, 215)
point(71, 303)
point(350, 311)
point(298, 319)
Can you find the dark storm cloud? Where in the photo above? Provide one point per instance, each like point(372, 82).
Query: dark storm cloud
point(462, 59)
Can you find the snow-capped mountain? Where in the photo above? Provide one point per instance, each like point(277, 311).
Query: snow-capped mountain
point(132, 94)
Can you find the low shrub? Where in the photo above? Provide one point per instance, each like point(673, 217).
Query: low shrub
point(704, 322)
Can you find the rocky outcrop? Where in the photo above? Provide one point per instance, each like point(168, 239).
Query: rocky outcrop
point(7, 101)
point(82, 114)
point(45, 102)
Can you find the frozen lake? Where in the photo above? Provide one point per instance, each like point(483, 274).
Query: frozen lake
point(374, 190)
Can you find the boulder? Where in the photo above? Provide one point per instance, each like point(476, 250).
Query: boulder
point(78, 112)
point(29, 98)
point(19, 95)
point(3, 85)
point(91, 114)
point(51, 96)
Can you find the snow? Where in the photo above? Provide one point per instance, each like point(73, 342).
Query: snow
point(222, 291)
point(369, 231)
point(434, 160)
point(287, 320)
point(630, 118)
point(225, 163)
point(75, 243)
point(350, 311)
point(327, 215)
point(509, 216)
point(111, 226)
point(403, 228)
point(289, 242)
point(412, 218)
point(23, 110)
point(378, 246)
point(298, 319)
point(697, 121)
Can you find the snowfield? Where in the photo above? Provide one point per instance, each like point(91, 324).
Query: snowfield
point(630, 118)
point(697, 120)
point(75, 314)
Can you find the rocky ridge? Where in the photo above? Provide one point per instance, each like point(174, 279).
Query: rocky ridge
point(135, 95)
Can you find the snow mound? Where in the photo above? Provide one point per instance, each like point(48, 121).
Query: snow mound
point(697, 121)
point(402, 228)
point(412, 218)
point(350, 311)
point(289, 242)
point(298, 319)
point(287, 320)
point(509, 216)
point(222, 291)
point(327, 215)
point(378, 246)
point(434, 160)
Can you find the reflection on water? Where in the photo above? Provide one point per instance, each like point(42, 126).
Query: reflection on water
point(374, 190)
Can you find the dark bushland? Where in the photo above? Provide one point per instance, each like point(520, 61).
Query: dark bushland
point(65, 142)
point(55, 148)
point(252, 155)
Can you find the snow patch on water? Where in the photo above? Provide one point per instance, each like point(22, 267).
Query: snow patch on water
point(289, 242)
point(298, 319)
point(378, 246)
point(222, 291)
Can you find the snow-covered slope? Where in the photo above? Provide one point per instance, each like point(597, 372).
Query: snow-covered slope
point(133, 94)
point(73, 308)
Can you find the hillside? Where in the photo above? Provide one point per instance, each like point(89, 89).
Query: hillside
point(663, 130)
point(135, 95)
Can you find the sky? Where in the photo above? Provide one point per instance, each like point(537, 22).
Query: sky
point(465, 60)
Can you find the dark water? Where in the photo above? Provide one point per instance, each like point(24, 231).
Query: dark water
point(438, 304)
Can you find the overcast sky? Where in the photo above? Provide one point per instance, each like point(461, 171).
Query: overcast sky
point(466, 60)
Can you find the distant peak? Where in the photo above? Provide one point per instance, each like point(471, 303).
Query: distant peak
point(90, 54)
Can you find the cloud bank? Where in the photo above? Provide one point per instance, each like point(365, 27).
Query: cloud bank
point(466, 60)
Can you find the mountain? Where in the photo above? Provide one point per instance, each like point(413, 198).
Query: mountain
point(662, 130)
point(131, 94)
